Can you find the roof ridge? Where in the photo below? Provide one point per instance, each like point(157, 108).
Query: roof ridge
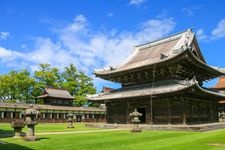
point(56, 88)
point(164, 38)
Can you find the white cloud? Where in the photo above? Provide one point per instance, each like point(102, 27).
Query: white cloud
point(136, 2)
point(4, 35)
point(219, 31)
point(79, 44)
point(110, 14)
point(154, 28)
point(190, 11)
point(47, 51)
point(93, 49)
point(79, 24)
point(201, 35)
point(11, 58)
point(9, 55)
point(23, 46)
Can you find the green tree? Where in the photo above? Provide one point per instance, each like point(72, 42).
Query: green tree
point(24, 85)
point(46, 76)
point(78, 84)
point(4, 88)
point(85, 87)
point(70, 77)
point(16, 85)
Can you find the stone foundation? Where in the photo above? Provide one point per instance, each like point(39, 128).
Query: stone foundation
point(199, 127)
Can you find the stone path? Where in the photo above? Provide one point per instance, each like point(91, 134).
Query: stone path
point(75, 132)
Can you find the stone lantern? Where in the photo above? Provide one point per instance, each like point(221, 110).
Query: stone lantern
point(135, 120)
point(17, 125)
point(70, 120)
point(31, 115)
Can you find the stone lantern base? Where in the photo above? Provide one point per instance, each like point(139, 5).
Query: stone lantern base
point(17, 131)
point(136, 128)
point(30, 138)
point(70, 125)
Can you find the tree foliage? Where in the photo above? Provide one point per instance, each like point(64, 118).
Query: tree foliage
point(19, 85)
point(46, 77)
point(16, 85)
point(78, 84)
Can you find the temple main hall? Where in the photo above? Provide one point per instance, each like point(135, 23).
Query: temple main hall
point(163, 80)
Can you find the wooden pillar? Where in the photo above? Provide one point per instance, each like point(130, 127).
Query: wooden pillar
point(148, 112)
point(106, 114)
point(217, 109)
point(116, 111)
point(191, 120)
point(128, 115)
point(169, 112)
point(151, 107)
point(60, 121)
point(184, 111)
point(209, 114)
point(199, 114)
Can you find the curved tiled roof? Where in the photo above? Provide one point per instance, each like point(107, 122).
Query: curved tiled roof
point(153, 52)
point(160, 51)
point(56, 93)
point(148, 90)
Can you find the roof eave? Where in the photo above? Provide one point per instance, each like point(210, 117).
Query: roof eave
point(212, 69)
point(97, 97)
point(218, 96)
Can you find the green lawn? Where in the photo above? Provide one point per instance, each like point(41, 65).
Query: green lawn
point(120, 140)
point(5, 128)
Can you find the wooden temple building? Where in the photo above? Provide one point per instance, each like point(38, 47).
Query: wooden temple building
point(52, 114)
point(56, 96)
point(163, 80)
point(57, 103)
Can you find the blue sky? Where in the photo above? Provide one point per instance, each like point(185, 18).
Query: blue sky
point(99, 33)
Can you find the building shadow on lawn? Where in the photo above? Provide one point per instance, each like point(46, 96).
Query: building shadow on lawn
point(12, 146)
point(10, 133)
point(6, 133)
